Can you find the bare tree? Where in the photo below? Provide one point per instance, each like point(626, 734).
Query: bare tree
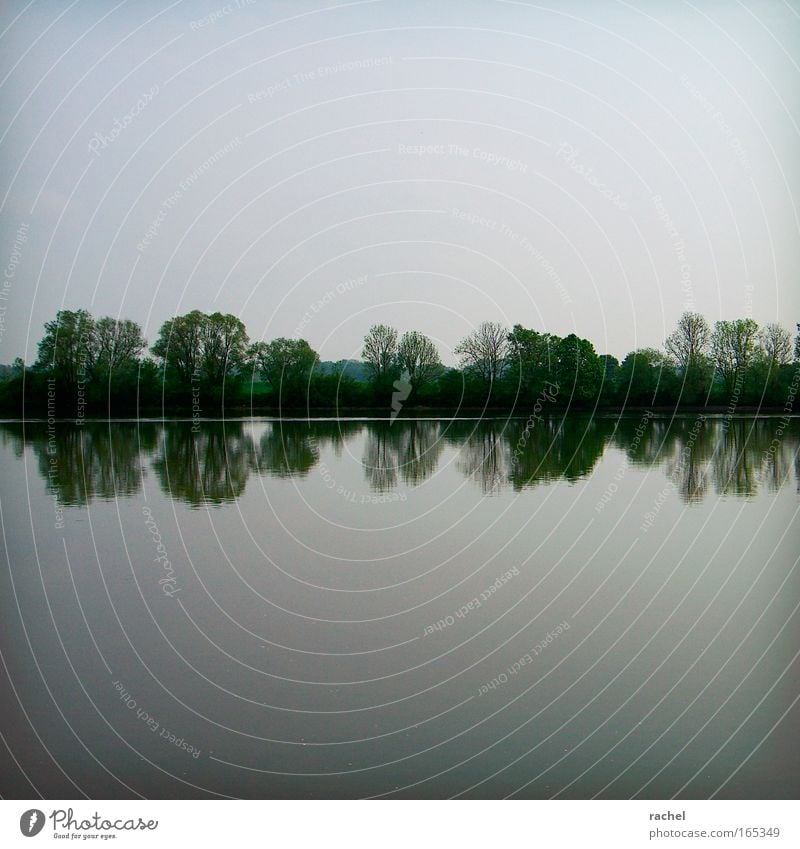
point(417, 355)
point(380, 350)
point(689, 340)
point(484, 351)
point(776, 343)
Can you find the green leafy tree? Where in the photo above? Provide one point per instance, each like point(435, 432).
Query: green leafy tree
point(179, 346)
point(531, 361)
point(417, 355)
point(773, 353)
point(286, 365)
point(202, 351)
point(610, 367)
point(118, 343)
point(733, 344)
point(224, 347)
point(642, 376)
point(610, 377)
point(67, 350)
point(579, 371)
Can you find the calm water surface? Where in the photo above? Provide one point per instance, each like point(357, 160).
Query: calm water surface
point(424, 608)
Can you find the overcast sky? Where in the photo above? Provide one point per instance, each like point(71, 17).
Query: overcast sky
point(314, 168)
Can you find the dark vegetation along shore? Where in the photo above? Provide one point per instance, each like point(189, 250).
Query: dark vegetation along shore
point(204, 365)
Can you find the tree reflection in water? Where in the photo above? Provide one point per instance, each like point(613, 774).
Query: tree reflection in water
point(210, 463)
point(407, 450)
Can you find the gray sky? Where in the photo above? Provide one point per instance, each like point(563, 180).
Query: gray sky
point(595, 167)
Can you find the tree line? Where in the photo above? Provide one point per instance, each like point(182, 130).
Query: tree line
point(207, 363)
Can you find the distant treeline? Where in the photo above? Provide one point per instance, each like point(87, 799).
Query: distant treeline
point(202, 364)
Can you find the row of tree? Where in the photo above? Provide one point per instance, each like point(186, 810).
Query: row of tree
point(736, 362)
point(201, 361)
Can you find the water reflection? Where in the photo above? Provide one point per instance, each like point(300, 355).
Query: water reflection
point(502, 453)
point(286, 450)
point(407, 450)
point(210, 463)
point(482, 454)
point(80, 464)
point(736, 456)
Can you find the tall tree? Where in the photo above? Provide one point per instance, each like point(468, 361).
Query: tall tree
point(286, 364)
point(380, 351)
point(224, 340)
point(531, 360)
point(67, 349)
point(688, 345)
point(483, 352)
point(579, 373)
point(776, 343)
point(733, 344)
point(642, 374)
point(417, 355)
point(689, 340)
point(180, 345)
point(118, 343)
